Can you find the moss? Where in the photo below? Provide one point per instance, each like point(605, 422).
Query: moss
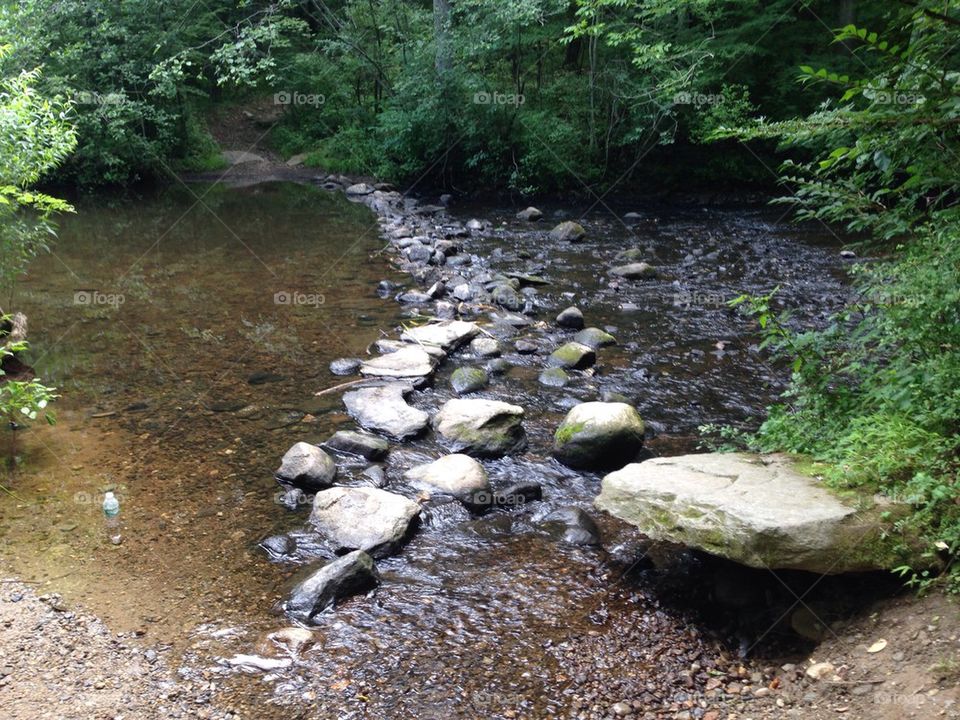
point(566, 432)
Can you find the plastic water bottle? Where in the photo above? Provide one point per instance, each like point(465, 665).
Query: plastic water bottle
point(111, 511)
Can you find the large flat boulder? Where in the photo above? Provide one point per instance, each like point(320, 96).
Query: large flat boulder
point(368, 519)
point(757, 510)
point(448, 335)
point(384, 409)
point(407, 362)
point(484, 428)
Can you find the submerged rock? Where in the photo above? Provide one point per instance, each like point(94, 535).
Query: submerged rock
point(363, 445)
point(570, 318)
point(307, 467)
point(469, 379)
point(364, 518)
point(447, 335)
point(351, 574)
point(635, 271)
point(457, 474)
point(573, 355)
point(485, 428)
point(594, 338)
point(758, 510)
point(572, 525)
point(407, 362)
point(384, 409)
point(599, 435)
point(554, 377)
point(568, 231)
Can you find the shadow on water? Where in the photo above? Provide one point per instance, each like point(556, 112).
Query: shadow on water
point(188, 339)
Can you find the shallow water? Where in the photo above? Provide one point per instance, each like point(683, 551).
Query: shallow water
point(185, 377)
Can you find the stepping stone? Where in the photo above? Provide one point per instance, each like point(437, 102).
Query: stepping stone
point(448, 335)
point(384, 409)
point(635, 271)
point(408, 362)
point(573, 356)
point(457, 474)
point(306, 466)
point(352, 574)
point(364, 518)
point(484, 428)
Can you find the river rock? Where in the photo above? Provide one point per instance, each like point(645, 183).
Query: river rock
point(307, 467)
point(447, 335)
point(457, 474)
point(554, 377)
point(362, 445)
point(384, 409)
point(414, 297)
point(757, 510)
point(485, 347)
point(360, 189)
point(420, 254)
point(570, 318)
point(498, 366)
point(469, 379)
point(635, 271)
point(407, 362)
point(530, 213)
point(573, 355)
point(572, 525)
point(351, 574)
point(525, 346)
point(568, 231)
point(485, 428)
point(594, 338)
point(364, 518)
point(599, 435)
point(345, 366)
point(505, 296)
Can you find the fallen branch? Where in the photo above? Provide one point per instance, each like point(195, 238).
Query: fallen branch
point(346, 385)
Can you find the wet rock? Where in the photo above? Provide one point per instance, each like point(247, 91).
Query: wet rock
point(448, 335)
point(375, 475)
point(572, 525)
point(469, 379)
point(635, 271)
point(630, 256)
point(525, 346)
point(345, 366)
point(599, 435)
point(570, 318)
point(263, 377)
point(757, 510)
point(418, 254)
point(573, 356)
point(505, 296)
point(352, 574)
point(554, 377)
point(368, 519)
point(612, 396)
point(484, 428)
point(385, 288)
point(498, 366)
point(385, 346)
point(306, 466)
point(517, 494)
point(527, 280)
point(384, 409)
point(360, 189)
point(407, 362)
point(529, 214)
point(414, 297)
point(484, 347)
point(362, 445)
point(457, 474)
point(568, 231)
point(474, 224)
point(848, 254)
point(291, 498)
point(463, 292)
point(594, 338)
point(279, 546)
point(292, 639)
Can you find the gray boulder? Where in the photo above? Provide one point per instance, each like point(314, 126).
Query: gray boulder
point(407, 362)
point(570, 318)
point(573, 356)
point(594, 338)
point(758, 510)
point(505, 296)
point(384, 409)
point(457, 474)
point(484, 428)
point(306, 466)
point(599, 435)
point(530, 213)
point(568, 231)
point(447, 335)
point(351, 574)
point(364, 518)
point(466, 380)
point(635, 271)
point(554, 377)
point(362, 445)
point(360, 189)
point(485, 347)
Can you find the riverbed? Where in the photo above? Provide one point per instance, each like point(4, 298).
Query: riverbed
point(188, 332)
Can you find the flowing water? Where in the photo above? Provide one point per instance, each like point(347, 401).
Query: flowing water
point(188, 333)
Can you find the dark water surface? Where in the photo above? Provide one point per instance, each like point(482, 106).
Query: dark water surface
point(186, 376)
